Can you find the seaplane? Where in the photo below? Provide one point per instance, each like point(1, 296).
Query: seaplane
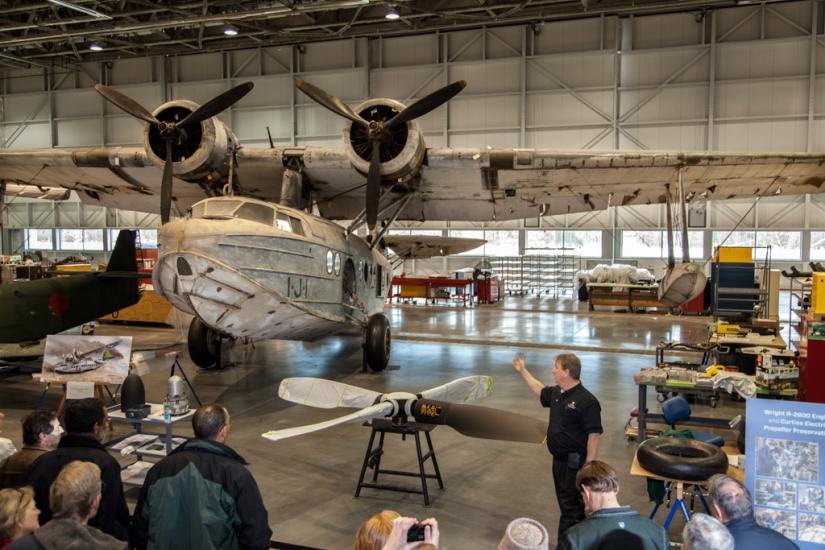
point(255, 252)
point(76, 362)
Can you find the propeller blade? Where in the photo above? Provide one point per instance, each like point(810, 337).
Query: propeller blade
point(325, 394)
point(329, 101)
point(481, 422)
point(166, 185)
point(217, 104)
point(125, 103)
point(374, 184)
point(462, 390)
point(381, 409)
point(426, 104)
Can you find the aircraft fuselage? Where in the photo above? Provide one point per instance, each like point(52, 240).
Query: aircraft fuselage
point(258, 270)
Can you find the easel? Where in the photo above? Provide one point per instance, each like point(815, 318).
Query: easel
point(102, 392)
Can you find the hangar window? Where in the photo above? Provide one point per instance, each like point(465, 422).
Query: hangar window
point(818, 245)
point(80, 239)
point(785, 245)
point(147, 238)
point(289, 223)
point(256, 212)
point(587, 244)
point(471, 234)
point(734, 238)
point(653, 244)
point(330, 261)
point(39, 239)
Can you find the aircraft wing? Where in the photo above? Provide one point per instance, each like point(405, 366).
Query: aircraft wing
point(500, 184)
point(454, 184)
point(428, 246)
point(125, 177)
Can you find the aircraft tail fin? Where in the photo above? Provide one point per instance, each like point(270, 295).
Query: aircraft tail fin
point(123, 254)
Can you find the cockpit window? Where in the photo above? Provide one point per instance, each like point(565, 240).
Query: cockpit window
point(289, 223)
point(220, 209)
point(256, 212)
point(198, 210)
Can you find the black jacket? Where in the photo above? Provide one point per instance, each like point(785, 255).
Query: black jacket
point(749, 535)
point(113, 516)
point(201, 496)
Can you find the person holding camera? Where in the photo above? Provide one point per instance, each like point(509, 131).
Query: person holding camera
point(409, 533)
point(573, 431)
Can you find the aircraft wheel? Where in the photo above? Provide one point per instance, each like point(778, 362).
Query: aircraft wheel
point(201, 342)
point(377, 340)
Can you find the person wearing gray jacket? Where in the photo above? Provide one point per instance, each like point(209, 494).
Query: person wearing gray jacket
point(74, 498)
point(608, 524)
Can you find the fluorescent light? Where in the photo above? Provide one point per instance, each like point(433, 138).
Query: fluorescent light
point(96, 47)
point(230, 30)
point(392, 14)
point(81, 9)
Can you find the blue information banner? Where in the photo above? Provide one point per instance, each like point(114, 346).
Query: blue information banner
point(785, 468)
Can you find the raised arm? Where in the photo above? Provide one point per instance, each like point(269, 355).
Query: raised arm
point(532, 381)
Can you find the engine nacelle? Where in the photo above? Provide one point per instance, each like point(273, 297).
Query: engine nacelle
point(402, 152)
point(202, 153)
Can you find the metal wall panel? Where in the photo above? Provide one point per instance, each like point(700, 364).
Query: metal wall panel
point(132, 71)
point(74, 103)
point(662, 31)
point(575, 36)
point(84, 132)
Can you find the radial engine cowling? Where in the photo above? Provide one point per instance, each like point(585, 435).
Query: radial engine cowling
point(202, 153)
point(402, 151)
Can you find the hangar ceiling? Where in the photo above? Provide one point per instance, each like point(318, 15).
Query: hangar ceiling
point(61, 32)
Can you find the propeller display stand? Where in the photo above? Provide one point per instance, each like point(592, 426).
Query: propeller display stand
point(373, 457)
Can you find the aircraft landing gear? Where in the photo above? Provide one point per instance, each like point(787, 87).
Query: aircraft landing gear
point(204, 344)
point(377, 340)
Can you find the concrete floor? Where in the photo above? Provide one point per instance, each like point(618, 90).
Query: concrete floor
point(308, 482)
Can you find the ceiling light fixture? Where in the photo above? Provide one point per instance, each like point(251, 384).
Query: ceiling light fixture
point(96, 47)
point(81, 9)
point(230, 30)
point(392, 14)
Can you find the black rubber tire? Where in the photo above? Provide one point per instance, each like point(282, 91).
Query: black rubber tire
point(682, 459)
point(377, 342)
point(201, 344)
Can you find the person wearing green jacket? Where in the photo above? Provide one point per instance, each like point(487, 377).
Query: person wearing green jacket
point(201, 495)
point(608, 524)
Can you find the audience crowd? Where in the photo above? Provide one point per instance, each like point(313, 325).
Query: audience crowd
point(63, 491)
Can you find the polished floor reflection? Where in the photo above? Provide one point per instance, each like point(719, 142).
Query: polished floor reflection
point(308, 482)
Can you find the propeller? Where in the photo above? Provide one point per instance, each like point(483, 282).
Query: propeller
point(379, 131)
point(444, 404)
point(173, 131)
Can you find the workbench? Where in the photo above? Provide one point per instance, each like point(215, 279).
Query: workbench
point(427, 288)
point(683, 388)
point(628, 295)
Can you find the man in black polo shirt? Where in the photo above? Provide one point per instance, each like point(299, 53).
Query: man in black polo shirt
point(573, 432)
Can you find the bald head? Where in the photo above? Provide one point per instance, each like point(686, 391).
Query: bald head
point(211, 422)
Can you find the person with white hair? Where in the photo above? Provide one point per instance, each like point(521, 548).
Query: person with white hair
point(731, 502)
point(704, 532)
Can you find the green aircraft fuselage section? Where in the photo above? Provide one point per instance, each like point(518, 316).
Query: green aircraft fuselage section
point(34, 309)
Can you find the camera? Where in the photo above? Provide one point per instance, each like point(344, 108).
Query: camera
point(415, 533)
